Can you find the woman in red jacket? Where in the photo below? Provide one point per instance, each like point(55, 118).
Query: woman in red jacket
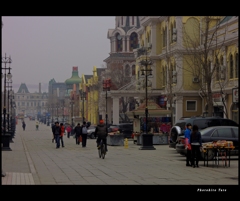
point(62, 133)
point(69, 129)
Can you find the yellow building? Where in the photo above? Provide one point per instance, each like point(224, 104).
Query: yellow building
point(172, 43)
point(90, 86)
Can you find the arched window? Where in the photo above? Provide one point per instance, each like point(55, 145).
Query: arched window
point(164, 77)
point(171, 33)
point(217, 69)
point(118, 43)
point(127, 70)
point(133, 41)
point(133, 70)
point(231, 67)
point(163, 38)
point(236, 65)
point(221, 60)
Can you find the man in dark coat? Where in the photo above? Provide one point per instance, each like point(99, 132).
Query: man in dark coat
point(24, 125)
point(101, 132)
point(57, 133)
point(78, 132)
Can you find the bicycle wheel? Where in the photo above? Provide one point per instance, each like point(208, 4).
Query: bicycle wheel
point(100, 152)
point(103, 151)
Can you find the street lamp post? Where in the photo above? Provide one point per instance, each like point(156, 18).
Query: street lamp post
point(106, 87)
point(147, 138)
point(6, 133)
point(83, 96)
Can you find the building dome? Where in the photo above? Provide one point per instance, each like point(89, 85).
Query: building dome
point(75, 79)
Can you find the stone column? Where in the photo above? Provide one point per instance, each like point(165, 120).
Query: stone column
point(114, 44)
point(115, 110)
point(123, 43)
point(128, 44)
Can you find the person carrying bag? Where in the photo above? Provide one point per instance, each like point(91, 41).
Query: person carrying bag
point(84, 134)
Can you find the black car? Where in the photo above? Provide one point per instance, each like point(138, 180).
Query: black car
point(202, 122)
point(211, 134)
point(125, 128)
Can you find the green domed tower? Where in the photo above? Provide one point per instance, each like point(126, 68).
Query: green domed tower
point(75, 79)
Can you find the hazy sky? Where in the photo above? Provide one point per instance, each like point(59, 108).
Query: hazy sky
point(42, 48)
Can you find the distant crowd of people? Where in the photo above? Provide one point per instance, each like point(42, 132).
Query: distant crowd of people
point(79, 132)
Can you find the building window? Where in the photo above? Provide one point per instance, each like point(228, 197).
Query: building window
point(236, 65)
point(164, 76)
point(171, 33)
point(27, 104)
point(132, 20)
point(127, 70)
point(231, 67)
point(217, 68)
point(164, 38)
point(119, 43)
point(133, 41)
point(122, 20)
point(191, 105)
point(133, 70)
point(42, 103)
point(23, 103)
point(235, 113)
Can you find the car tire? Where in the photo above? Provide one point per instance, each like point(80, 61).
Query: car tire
point(92, 136)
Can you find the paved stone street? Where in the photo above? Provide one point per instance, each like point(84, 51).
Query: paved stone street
point(34, 159)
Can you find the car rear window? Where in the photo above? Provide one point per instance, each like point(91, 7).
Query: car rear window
point(205, 123)
point(227, 122)
point(235, 130)
point(225, 133)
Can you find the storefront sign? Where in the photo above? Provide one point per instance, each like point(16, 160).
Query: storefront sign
point(235, 95)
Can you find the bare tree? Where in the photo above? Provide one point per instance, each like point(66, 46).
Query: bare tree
point(202, 44)
point(118, 79)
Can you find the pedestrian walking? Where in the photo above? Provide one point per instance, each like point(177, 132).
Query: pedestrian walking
point(84, 134)
point(196, 143)
point(69, 129)
point(23, 125)
point(57, 133)
point(187, 134)
point(77, 131)
point(53, 132)
point(62, 133)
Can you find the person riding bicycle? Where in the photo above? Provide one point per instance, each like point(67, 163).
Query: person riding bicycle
point(101, 133)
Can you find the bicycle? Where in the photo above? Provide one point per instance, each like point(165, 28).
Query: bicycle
point(102, 150)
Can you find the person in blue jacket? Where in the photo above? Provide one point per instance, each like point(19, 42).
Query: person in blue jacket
point(187, 134)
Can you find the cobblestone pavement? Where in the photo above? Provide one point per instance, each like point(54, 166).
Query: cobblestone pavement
point(34, 159)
